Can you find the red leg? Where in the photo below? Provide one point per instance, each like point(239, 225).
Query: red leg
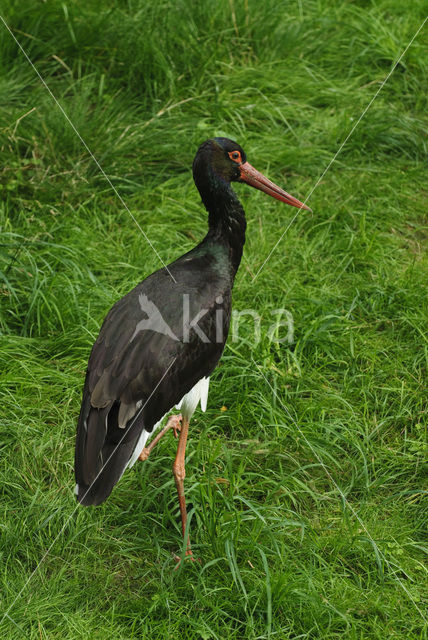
point(179, 471)
point(174, 423)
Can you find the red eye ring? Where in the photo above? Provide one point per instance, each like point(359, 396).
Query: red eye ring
point(235, 156)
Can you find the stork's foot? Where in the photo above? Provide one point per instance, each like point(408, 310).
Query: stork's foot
point(174, 423)
point(187, 556)
point(144, 454)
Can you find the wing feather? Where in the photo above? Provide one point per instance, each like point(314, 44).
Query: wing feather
point(131, 367)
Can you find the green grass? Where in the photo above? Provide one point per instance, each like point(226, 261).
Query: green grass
point(307, 495)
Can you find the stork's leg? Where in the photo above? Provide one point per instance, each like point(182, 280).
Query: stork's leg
point(179, 471)
point(174, 423)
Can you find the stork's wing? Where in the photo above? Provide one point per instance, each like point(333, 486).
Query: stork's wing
point(144, 361)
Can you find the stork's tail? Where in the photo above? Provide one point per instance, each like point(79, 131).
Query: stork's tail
point(102, 455)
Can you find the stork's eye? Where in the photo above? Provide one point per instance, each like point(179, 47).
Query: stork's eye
point(235, 156)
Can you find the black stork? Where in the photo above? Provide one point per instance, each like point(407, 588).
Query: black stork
point(160, 343)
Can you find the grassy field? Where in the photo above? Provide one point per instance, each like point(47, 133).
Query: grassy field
point(307, 494)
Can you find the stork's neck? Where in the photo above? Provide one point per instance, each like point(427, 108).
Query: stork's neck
point(226, 219)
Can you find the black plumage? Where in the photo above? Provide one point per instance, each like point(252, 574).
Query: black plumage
point(136, 372)
point(156, 369)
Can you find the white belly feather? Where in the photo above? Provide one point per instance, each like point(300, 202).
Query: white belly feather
point(189, 402)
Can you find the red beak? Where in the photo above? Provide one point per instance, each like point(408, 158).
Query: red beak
point(256, 179)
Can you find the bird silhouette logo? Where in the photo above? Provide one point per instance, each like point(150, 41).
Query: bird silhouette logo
point(154, 320)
